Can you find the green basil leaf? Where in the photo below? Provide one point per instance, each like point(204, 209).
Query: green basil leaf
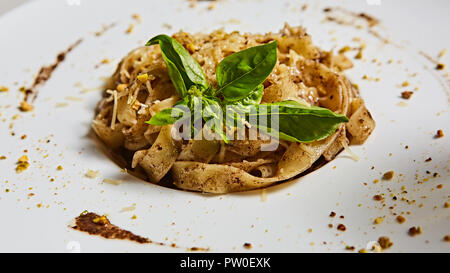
point(254, 97)
point(295, 122)
point(180, 64)
point(169, 115)
point(240, 73)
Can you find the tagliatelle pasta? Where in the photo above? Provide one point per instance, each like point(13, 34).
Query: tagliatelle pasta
point(303, 73)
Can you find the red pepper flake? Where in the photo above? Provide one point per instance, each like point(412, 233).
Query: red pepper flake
point(351, 248)
point(440, 186)
point(332, 214)
point(428, 159)
point(447, 238)
point(413, 231)
point(248, 245)
point(341, 227)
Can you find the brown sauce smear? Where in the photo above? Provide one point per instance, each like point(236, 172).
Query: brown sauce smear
point(100, 225)
point(45, 73)
point(95, 224)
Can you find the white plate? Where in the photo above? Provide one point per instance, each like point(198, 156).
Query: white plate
point(32, 35)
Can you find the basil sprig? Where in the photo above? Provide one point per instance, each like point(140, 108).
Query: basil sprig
point(184, 71)
point(238, 95)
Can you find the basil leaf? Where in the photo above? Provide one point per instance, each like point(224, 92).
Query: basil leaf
point(295, 122)
point(169, 115)
point(254, 97)
point(240, 73)
point(184, 71)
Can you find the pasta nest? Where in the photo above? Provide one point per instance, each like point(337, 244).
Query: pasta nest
point(303, 72)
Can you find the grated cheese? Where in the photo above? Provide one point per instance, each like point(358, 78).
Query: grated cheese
point(114, 115)
point(349, 152)
point(111, 181)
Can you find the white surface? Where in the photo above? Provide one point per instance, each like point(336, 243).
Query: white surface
point(223, 223)
point(7, 5)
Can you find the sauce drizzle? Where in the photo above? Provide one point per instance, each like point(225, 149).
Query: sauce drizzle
point(45, 73)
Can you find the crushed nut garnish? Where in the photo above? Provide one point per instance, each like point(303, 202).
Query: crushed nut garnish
point(385, 242)
point(130, 28)
point(4, 89)
point(190, 47)
point(121, 87)
point(401, 219)
point(405, 84)
point(351, 248)
point(440, 66)
point(447, 238)
point(439, 134)
point(137, 17)
point(388, 175)
point(59, 168)
point(332, 214)
point(344, 49)
point(25, 106)
point(378, 197)
point(341, 227)
point(248, 245)
point(378, 220)
point(91, 174)
point(407, 94)
point(413, 231)
point(142, 77)
point(102, 220)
